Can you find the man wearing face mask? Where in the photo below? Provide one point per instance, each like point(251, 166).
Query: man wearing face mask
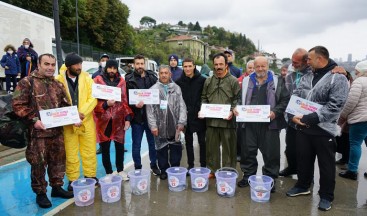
point(10, 62)
point(27, 57)
point(102, 64)
point(262, 88)
point(79, 138)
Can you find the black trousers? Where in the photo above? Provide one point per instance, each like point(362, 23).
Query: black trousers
point(190, 147)
point(324, 147)
point(343, 146)
point(257, 136)
point(291, 148)
point(119, 149)
point(175, 154)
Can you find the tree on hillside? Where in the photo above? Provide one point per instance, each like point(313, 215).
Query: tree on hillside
point(147, 21)
point(285, 60)
point(43, 7)
point(190, 26)
point(196, 27)
point(180, 23)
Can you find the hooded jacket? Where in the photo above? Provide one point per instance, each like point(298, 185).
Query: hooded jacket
point(224, 90)
point(191, 92)
point(116, 113)
point(330, 91)
point(235, 71)
point(167, 119)
point(176, 73)
point(22, 55)
point(149, 80)
point(12, 62)
point(86, 102)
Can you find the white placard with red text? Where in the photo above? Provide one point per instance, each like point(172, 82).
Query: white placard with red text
point(106, 92)
point(148, 96)
point(60, 116)
point(300, 106)
point(215, 110)
point(253, 113)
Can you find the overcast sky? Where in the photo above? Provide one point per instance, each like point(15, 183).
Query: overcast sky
point(280, 25)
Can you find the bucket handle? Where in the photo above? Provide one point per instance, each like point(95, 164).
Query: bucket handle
point(229, 169)
point(272, 183)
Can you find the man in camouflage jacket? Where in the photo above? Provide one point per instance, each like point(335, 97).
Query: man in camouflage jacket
point(46, 146)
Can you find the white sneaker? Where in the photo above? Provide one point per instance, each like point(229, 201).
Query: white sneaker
point(124, 176)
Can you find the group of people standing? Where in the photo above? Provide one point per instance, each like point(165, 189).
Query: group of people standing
point(182, 93)
point(19, 62)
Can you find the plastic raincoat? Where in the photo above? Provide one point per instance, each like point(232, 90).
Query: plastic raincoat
point(167, 118)
point(117, 113)
point(81, 139)
point(331, 92)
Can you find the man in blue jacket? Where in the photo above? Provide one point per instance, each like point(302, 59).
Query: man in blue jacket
point(235, 71)
point(173, 63)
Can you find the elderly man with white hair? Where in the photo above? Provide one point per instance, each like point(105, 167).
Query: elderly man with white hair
point(354, 112)
point(262, 88)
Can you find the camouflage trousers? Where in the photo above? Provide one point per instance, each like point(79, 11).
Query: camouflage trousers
point(46, 153)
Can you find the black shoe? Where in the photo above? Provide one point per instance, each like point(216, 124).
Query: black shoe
point(188, 169)
point(365, 174)
point(273, 188)
point(70, 188)
point(95, 178)
point(324, 205)
point(60, 192)
point(349, 174)
point(163, 176)
point(125, 150)
point(43, 201)
point(155, 171)
point(341, 162)
point(295, 191)
point(243, 183)
point(99, 151)
point(287, 172)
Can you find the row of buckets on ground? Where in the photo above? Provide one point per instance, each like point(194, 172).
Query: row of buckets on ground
point(140, 184)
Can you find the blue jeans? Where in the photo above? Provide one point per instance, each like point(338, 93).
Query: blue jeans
point(137, 135)
point(357, 134)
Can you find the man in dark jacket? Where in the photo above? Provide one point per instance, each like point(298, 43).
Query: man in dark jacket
point(262, 88)
point(141, 79)
point(192, 83)
point(46, 149)
point(102, 64)
point(173, 63)
point(236, 72)
point(27, 57)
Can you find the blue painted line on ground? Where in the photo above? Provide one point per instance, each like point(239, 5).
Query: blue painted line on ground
point(17, 197)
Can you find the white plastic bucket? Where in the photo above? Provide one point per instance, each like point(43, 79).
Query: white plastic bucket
point(176, 178)
point(226, 181)
point(83, 190)
point(111, 188)
point(199, 179)
point(260, 187)
point(139, 181)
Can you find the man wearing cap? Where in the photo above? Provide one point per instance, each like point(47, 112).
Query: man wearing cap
point(102, 63)
point(173, 63)
point(27, 57)
point(79, 138)
point(235, 71)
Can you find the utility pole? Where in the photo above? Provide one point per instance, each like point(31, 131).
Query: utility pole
point(77, 24)
point(57, 33)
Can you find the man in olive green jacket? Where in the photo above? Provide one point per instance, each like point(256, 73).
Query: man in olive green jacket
point(221, 88)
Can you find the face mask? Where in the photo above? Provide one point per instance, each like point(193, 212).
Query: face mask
point(103, 64)
point(26, 46)
point(10, 52)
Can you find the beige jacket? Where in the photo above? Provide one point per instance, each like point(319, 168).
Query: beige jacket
point(355, 109)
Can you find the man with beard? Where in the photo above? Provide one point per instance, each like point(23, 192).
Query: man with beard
point(141, 79)
point(192, 83)
point(299, 63)
point(262, 88)
point(79, 138)
point(46, 149)
point(221, 88)
point(112, 119)
point(166, 121)
point(316, 131)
